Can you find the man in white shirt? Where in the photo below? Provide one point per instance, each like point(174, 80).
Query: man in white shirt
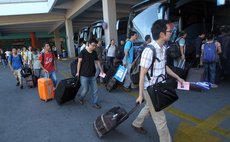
point(110, 52)
point(161, 33)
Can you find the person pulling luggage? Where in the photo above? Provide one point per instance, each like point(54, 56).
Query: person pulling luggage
point(48, 64)
point(86, 71)
point(161, 33)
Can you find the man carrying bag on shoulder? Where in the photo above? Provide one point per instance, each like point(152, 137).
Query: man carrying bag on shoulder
point(161, 32)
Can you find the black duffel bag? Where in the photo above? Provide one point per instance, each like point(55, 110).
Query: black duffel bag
point(162, 93)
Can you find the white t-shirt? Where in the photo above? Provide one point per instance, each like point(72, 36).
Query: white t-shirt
point(7, 53)
point(36, 61)
point(82, 47)
point(111, 50)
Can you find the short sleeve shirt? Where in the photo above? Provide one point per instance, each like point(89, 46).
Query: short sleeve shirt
point(36, 61)
point(111, 50)
point(158, 67)
point(181, 41)
point(48, 61)
point(88, 63)
point(129, 46)
point(16, 62)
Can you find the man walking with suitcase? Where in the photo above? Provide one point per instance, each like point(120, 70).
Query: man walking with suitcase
point(161, 32)
point(48, 64)
point(86, 71)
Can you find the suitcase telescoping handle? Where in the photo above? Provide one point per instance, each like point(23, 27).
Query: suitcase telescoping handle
point(130, 112)
point(133, 109)
point(46, 75)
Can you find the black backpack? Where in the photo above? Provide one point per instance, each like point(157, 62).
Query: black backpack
point(119, 52)
point(174, 50)
point(135, 68)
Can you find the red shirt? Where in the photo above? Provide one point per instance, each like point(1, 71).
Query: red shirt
point(48, 61)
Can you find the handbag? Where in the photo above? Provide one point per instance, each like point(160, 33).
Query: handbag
point(121, 73)
point(162, 93)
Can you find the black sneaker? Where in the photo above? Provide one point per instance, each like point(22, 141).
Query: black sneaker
point(18, 83)
point(140, 130)
point(97, 106)
point(126, 89)
point(21, 87)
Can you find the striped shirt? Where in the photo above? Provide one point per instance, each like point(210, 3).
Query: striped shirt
point(158, 67)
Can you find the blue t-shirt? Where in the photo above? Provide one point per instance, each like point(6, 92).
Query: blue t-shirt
point(181, 41)
point(16, 62)
point(129, 46)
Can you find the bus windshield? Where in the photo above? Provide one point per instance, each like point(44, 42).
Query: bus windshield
point(143, 21)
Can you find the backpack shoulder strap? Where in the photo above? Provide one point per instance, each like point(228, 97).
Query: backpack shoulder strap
point(53, 58)
point(20, 57)
point(43, 56)
point(153, 60)
point(109, 46)
point(11, 59)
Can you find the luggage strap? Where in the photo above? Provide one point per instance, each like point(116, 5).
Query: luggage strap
point(49, 88)
point(47, 84)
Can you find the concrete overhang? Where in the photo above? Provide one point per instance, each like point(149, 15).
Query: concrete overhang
point(25, 7)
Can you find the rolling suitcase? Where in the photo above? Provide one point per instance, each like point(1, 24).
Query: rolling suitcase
point(111, 84)
point(195, 75)
point(111, 119)
point(67, 90)
point(30, 81)
point(45, 89)
point(109, 74)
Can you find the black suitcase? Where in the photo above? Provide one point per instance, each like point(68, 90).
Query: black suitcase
point(111, 84)
point(180, 72)
point(111, 119)
point(195, 75)
point(29, 81)
point(109, 74)
point(67, 90)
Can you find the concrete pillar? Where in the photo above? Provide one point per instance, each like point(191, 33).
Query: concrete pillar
point(69, 38)
point(33, 39)
point(57, 41)
point(110, 17)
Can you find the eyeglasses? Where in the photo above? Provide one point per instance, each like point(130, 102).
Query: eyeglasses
point(94, 45)
point(170, 31)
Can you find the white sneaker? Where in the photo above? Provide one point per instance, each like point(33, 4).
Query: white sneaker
point(214, 86)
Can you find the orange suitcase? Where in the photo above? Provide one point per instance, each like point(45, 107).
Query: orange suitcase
point(45, 89)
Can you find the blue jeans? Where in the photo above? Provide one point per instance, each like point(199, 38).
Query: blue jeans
point(86, 83)
point(4, 62)
point(37, 72)
point(110, 61)
point(210, 72)
point(53, 77)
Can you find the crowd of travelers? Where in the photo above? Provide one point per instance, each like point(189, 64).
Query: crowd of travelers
point(94, 60)
point(42, 63)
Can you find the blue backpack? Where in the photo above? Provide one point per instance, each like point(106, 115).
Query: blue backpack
point(209, 52)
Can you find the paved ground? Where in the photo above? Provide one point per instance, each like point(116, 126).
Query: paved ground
point(195, 117)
